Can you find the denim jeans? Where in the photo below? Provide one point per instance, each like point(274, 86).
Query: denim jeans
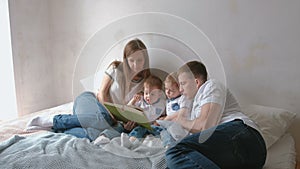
point(140, 132)
point(232, 145)
point(167, 139)
point(89, 119)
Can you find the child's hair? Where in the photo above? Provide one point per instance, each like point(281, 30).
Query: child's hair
point(153, 81)
point(172, 78)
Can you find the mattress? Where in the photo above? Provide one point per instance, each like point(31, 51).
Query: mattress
point(282, 154)
point(18, 126)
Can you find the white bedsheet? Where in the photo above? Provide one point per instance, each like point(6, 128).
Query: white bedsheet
point(282, 155)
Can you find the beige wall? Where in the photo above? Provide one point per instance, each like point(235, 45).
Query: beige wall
point(258, 43)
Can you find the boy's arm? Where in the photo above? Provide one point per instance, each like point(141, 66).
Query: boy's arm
point(209, 117)
point(183, 111)
point(134, 100)
point(131, 102)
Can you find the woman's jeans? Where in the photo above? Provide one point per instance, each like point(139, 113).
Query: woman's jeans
point(140, 132)
point(232, 145)
point(89, 119)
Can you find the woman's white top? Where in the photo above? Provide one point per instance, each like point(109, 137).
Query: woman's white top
point(117, 88)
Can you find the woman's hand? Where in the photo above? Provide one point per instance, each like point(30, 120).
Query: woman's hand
point(129, 125)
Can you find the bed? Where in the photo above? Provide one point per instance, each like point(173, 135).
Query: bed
point(21, 147)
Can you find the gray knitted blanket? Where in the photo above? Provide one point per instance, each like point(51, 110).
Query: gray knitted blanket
point(56, 150)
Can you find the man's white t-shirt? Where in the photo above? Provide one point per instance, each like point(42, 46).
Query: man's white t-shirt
point(213, 91)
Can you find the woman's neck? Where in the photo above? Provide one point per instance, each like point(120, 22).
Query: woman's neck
point(136, 77)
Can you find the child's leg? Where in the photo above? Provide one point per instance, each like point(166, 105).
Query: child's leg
point(155, 130)
point(167, 139)
point(138, 132)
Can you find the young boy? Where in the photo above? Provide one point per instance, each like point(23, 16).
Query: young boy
point(175, 104)
point(175, 100)
point(153, 104)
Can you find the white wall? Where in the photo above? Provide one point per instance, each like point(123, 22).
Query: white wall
point(32, 53)
point(8, 101)
point(258, 43)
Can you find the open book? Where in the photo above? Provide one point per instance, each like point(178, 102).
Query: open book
point(128, 113)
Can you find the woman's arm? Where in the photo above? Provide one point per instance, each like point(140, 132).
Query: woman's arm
point(209, 117)
point(103, 93)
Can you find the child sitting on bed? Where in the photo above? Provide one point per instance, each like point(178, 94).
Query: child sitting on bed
point(175, 101)
point(153, 104)
point(175, 104)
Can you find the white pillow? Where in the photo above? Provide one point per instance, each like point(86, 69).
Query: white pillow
point(272, 121)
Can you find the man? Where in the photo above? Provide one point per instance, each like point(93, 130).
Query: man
point(221, 135)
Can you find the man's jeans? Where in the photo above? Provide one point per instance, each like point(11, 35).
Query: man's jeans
point(232, 145)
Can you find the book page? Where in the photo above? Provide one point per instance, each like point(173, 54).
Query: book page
point(127, 113)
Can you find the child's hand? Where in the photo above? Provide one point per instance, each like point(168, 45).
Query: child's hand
point(155, 123)
point(162, 118)
point(137, 97)
point(169, 118)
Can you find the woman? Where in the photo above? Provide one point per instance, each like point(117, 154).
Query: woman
point(121, 81)
point(222, 136)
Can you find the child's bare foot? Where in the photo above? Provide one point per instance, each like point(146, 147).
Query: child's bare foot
point(132, 139)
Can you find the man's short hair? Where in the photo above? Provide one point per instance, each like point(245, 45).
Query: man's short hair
point(197, 68)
